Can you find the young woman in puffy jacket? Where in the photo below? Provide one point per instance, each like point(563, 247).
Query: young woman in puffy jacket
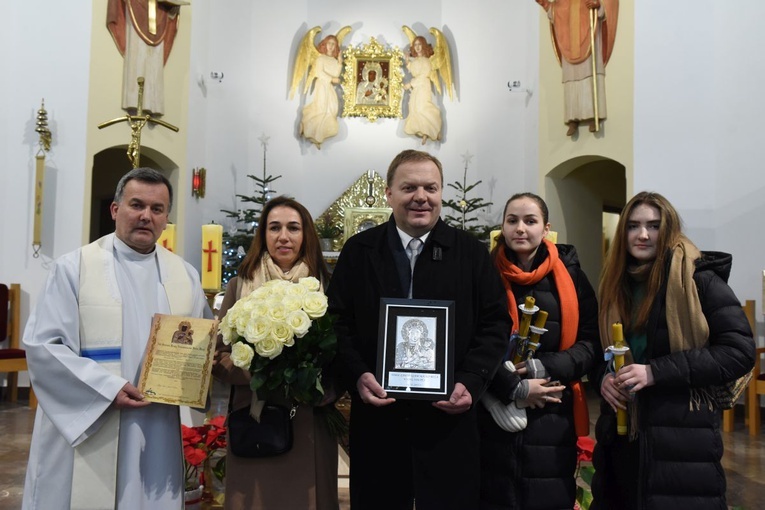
point(688, 337)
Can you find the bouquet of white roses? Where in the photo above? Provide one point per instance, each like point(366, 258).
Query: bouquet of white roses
point(282, 334)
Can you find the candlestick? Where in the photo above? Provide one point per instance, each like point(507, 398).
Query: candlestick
point(619, 349)
point(528, 309)
point(537, 330)
point(212, 247)
point(167, 239)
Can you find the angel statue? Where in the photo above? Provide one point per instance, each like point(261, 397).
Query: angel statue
point(323, 63)
point(425, 64)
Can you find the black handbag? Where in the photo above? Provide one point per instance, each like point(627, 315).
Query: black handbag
point(272, 436)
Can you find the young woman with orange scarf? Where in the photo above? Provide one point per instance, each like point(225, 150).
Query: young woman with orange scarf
point(533, 468)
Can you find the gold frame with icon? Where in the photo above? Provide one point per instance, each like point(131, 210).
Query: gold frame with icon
point(381, 97)
point(358, 219)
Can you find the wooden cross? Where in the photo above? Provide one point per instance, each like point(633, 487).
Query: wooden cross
point(209, 251)
point(164, 244)
point(137, 122)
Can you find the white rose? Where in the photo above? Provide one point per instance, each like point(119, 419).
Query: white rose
point(299, 322)
point(260, 308)
point(292, 303)
point(282, 333)
point(257, 329)
point(296, 290)
point(241, 320)
point(315, 304)
point(269, 348)
point(277, 312)
point(242, 354)
point(310, 283)
point(227, 332)
point(261, 292)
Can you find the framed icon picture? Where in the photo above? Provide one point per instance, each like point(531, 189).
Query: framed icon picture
point(415, 357)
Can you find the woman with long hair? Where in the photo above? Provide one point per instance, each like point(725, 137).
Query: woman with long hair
point(532, 467)
point(688, 337)
point(285, 247)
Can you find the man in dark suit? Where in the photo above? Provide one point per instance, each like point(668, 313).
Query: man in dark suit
point(406, 450)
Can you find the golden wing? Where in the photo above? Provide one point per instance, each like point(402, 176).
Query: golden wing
point(306, 56)
point(441, 62)
point(409, 33)
point(341, 35)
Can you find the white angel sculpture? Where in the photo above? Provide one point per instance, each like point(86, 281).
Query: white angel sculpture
point(323, 63)
point(425, 65)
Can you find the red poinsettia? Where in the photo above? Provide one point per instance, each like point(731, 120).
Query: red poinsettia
point(584, 448)
point(199, 443)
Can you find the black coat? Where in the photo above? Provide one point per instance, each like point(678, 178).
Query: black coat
point(410, 446)
point(534, 468)
point(675, 460)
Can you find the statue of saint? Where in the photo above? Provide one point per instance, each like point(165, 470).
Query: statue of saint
point(144, 31)
point(570, 26)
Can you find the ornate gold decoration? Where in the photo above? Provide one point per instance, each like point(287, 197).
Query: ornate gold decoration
point(364, 96)
point(46, 137)
point(356, 198)
point(358, 219)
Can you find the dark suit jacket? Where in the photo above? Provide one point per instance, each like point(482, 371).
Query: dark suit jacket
point(452, 265)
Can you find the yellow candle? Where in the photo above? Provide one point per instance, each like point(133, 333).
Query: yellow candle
point(536, 331)
point(212, 246)
point(619, 350)
point(528, 309)
point(167, 239)
point(523, 330)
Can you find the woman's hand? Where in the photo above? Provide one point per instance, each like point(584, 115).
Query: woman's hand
point(634, 377)
point(540, 394)
point(617, 398)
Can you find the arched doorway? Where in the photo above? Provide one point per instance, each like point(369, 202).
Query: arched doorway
point(580, 194)
point(109, 165)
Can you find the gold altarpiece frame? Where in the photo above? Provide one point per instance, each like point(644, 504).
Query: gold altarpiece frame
point(361, 206)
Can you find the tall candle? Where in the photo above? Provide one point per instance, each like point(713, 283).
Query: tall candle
point(167, 239)
point(619, 349)
point(212, 246)
point(528, 309)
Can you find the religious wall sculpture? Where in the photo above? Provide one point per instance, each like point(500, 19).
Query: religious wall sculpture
point(144, 32)
point(427, 66)
point(321, 66)
point(579, 29)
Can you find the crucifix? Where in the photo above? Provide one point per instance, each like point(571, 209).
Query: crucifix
point(137, 123)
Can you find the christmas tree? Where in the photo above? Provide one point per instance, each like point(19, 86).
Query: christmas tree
point(465, 208)
point(237, 240)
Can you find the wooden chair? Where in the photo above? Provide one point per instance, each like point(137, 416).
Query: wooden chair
point(728, 415)
point(13, 359)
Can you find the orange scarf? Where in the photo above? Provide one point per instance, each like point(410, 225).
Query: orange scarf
point(569, 311)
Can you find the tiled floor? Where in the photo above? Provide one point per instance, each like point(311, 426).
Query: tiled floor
point(744, 461)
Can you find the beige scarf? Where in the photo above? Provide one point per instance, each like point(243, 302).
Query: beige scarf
point(268, 271)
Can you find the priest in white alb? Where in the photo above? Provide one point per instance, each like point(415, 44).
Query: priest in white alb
point(96, 442)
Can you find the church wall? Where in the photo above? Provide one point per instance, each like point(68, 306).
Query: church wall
point(492, 44)
point(45, 55)
point(698, 125)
